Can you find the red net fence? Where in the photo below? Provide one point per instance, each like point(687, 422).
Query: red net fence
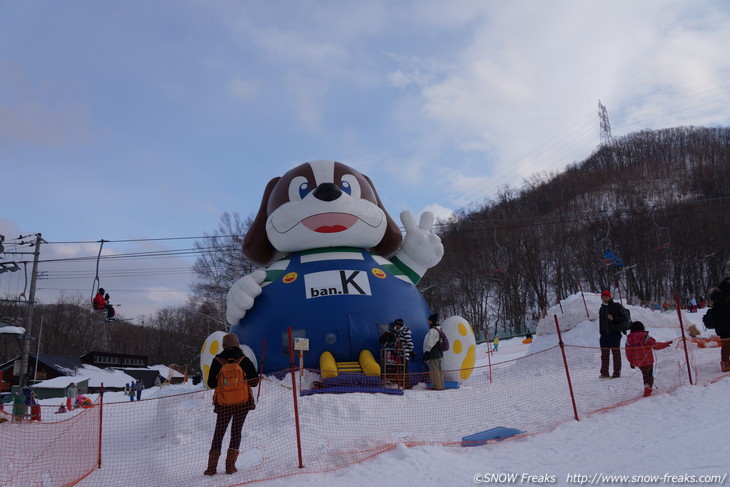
point(164, 439)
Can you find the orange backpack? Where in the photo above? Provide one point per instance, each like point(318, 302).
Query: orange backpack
point(232, 387)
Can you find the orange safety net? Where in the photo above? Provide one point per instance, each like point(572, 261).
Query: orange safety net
point(164, 440)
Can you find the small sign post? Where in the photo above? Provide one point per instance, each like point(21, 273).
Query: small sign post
point(301, 344)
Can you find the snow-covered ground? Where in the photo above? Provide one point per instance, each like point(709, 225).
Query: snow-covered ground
point(667, 439)
point(670, 438)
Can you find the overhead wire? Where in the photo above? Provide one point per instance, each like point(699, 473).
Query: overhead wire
point(476, 225)
point(115, 273)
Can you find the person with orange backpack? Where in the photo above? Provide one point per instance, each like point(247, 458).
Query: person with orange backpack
point(232, 375)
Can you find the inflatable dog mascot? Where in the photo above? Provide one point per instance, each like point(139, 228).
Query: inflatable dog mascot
point(343, 273)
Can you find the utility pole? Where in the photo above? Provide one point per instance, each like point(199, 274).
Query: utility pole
point(25, 346)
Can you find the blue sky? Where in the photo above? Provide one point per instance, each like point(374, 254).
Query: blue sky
point(146, 120)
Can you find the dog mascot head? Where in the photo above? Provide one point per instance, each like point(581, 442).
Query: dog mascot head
point(320, 204)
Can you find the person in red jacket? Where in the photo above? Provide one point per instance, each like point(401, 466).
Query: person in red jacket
point(640, 353)
point(101, 302)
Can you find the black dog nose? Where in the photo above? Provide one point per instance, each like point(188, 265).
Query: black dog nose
point(327, 192)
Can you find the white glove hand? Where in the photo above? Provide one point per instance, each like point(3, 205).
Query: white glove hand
point(242, 294)
point(421, 249)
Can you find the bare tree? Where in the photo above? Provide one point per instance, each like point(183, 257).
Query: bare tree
point(220, 264)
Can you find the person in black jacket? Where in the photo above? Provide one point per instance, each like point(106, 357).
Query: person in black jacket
point(610, 317)
point(720, 304)
point(230, 413)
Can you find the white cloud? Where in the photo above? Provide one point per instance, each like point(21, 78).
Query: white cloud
point(441, 213)
point(527, 101)
point(415, 71)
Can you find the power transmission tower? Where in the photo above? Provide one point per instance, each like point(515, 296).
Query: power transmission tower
point(605, 124)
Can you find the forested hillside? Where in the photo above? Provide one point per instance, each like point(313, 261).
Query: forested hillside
point(659, 200)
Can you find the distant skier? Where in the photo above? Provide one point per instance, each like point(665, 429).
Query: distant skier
point(72, 391)
point(101, 302)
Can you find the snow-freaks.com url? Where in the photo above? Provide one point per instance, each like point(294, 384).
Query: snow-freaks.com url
point(600, 479)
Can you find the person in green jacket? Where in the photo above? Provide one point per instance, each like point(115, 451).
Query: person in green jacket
point(19, 409)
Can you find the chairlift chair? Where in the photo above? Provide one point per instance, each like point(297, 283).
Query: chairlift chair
point(96, 285)
point(608, 258)
point(662, 235)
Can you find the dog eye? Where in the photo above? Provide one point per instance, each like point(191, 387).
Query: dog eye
point(299, 187)
point(350, 185)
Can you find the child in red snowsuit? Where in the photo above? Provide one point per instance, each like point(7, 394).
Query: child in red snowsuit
point(639, 352)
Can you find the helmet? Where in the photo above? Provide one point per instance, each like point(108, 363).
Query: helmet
point(101, 290)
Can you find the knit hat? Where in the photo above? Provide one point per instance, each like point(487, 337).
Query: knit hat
point(606, 293)
point(230, 340)
point(434, 318)
point(398, 321)
point(637, 326)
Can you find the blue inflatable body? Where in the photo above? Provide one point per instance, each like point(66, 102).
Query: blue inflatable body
point(347, 273)
point(340, 299)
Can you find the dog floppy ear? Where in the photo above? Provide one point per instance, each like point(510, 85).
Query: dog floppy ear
point(256, 244)
point(392, 239)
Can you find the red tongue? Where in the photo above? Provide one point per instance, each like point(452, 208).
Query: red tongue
point(332, 229)
point(329, 222)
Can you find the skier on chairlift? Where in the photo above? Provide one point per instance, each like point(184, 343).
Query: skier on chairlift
point(101, 302)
